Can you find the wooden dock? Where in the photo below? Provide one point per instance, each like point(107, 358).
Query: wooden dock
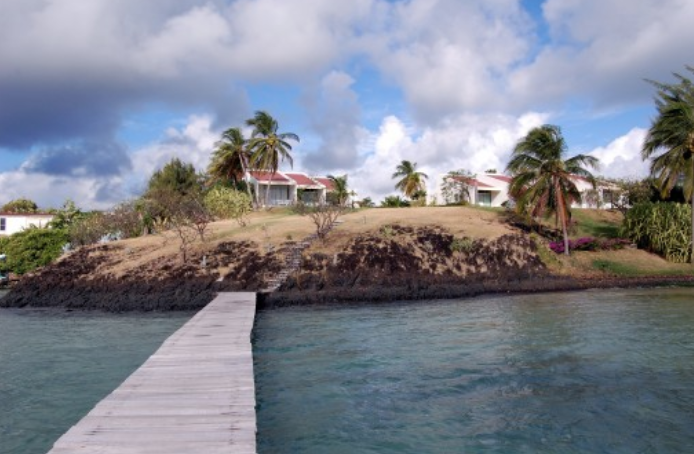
point(196, 394)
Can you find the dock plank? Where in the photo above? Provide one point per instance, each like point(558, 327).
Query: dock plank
point(195, 394)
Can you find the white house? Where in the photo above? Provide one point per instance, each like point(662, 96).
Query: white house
point(287, 188)
point(487, 189)
point(11, 223)
point(491, 189)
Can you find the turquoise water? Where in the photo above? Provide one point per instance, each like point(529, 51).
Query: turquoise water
point(586, 372)
point(55, 366)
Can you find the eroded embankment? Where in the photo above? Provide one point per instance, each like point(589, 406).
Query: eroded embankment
point(82, 280)
point(390, 264)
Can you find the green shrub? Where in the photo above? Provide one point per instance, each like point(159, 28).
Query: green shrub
point(226, 203)
point(464, 244)
point(662, 227)
point(32, 248)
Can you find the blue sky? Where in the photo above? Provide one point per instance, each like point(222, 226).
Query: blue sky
point(95, 96)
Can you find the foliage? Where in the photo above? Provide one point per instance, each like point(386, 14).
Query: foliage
point(267, 146)
point(410, 180)
point(230, 158)
point(670, 140)
point(226, 203)
point(31, 249)
point(590, 244)
point(661, 227)
point(340, 191)
point(175, 176)
point(322, 216)
point(366, 202)
point(464, 244)
point(64, 217)
point(456, 187)
point(124, 221)
point(394, 201)
point(542, 181)
point(20, 206)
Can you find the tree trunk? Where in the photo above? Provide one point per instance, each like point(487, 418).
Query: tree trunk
point(562, 216)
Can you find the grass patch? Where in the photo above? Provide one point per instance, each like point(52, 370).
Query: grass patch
point(596, 223)
point(618, 268)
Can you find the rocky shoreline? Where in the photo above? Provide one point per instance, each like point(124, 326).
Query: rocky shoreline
point(403, 263)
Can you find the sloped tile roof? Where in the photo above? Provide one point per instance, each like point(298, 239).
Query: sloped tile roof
point(263, 177)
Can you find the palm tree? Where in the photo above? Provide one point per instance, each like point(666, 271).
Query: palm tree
point(411, 181)
point(267, 146)
point(672, 135)
point(543, 180)
point(340, 189)
point(230, 158)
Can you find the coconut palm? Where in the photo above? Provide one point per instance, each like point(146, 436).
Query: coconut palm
point(267, 146)
point(543, 181)
point(670, 139)
point(411, 181)
point(340, 189)
point(230, 157)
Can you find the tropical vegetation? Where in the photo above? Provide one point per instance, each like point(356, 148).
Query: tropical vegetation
point(670, 141)
point(20, 205)
point(340, 189)
point(543, 178)
point(410, 180)
point(230, 159)
point(661, 227)
point(267, 146)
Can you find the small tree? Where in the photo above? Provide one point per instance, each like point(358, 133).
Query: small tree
point(394, 201)
point(322, 216)
point(20, 206)
point(176, 176)
point(455, 188)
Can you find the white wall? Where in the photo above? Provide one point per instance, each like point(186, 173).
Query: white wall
point(17, 222)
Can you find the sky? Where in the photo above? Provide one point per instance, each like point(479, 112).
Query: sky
point(96, 95)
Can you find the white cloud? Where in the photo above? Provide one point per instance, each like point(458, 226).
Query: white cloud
point(601, 50)
point(472, 142)
point(449, 56)
point(621, 158)
point(192, 143)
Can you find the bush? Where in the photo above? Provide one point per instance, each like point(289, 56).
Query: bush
point(226, 203)
point(31, 249)
point(664, 228)
point(462, 244)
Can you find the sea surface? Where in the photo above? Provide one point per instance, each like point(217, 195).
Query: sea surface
point(56, 365)
point(609, 371)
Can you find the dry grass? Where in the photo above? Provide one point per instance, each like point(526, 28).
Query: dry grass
point(272, 228)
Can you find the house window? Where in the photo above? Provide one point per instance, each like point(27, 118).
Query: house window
point(484, 198)
point(3, 224)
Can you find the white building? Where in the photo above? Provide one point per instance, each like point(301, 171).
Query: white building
point(287, 188)
point(11, 223)
point(491, 189)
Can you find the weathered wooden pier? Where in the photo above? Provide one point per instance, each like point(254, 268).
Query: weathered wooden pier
point(196, 394)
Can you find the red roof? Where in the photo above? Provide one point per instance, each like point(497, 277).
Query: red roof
point(301, 179)
point(276, 177)
point(479, 184)
point(26, 214)
point(327, 182)
point(504, 178)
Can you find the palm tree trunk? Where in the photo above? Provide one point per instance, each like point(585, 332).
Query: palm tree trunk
point(691, 258)
point(561, 208)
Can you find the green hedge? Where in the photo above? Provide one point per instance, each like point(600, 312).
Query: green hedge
point(31, 249)
point(661, 227)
